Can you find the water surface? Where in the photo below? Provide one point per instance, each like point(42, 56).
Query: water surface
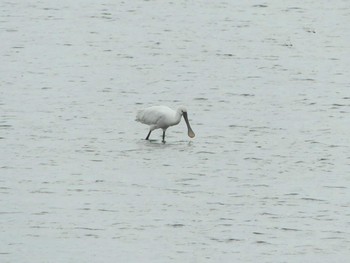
point(267, 91)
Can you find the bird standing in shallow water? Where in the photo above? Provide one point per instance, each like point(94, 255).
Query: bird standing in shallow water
point(162, 117)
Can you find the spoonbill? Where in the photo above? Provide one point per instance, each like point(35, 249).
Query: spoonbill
point(162, 117)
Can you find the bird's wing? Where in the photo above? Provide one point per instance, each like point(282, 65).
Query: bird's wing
point(151, 115)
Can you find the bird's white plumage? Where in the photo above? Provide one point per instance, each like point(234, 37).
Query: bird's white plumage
point(162, 117)
point(158, 117)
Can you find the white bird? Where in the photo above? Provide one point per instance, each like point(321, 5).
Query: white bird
point(162, 117)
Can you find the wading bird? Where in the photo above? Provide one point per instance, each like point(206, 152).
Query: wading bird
point(162, 117)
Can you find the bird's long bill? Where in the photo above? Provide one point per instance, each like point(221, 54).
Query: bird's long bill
point(190, 132)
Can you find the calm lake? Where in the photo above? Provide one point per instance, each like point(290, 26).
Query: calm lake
point(266, 86)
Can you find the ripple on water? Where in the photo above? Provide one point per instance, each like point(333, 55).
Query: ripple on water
point(269, 163)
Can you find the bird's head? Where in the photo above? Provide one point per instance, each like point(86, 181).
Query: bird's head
point(182, 110)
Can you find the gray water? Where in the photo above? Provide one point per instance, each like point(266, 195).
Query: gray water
point(266, 179)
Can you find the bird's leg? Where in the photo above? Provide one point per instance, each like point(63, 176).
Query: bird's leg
point(163, 137)
point(148, 135)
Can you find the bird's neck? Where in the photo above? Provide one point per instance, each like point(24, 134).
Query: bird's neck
point(178, 116)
